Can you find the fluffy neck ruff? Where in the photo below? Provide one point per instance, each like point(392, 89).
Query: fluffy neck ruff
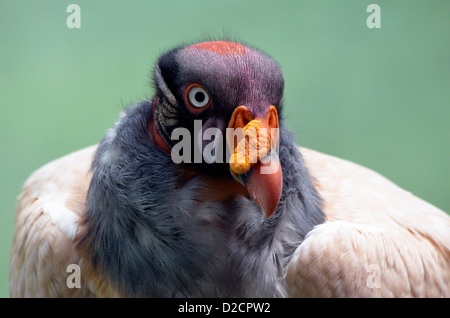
point(146, 233)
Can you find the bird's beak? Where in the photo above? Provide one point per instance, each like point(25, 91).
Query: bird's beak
point(253, 142)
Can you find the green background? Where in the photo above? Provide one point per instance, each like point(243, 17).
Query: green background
point(379, 97)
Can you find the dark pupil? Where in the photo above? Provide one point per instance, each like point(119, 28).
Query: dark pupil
point(199, 97)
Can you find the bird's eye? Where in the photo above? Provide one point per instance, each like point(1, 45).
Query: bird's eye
point(197, 97)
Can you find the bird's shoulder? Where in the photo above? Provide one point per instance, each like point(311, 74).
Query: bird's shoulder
point(378, 240)
point(47, 215)
point(355, 193)
point(345, 259)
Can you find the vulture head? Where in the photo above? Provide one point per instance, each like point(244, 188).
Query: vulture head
point(221, 91)
point(200, 191)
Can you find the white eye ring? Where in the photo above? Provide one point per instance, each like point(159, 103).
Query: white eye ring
point(198, 97)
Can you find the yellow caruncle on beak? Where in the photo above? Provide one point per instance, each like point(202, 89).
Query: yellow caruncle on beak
point(256, 137)
point(252, 147)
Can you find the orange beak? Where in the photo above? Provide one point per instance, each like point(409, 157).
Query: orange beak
point(254, 160)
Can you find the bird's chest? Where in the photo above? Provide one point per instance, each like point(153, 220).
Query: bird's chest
point(208, 200)
point(222, 220)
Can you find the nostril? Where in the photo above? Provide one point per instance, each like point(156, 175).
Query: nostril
point(247, 118)
point(241, 117)
point(242, 122)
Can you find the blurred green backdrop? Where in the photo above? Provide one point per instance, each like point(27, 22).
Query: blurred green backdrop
point(379, 97)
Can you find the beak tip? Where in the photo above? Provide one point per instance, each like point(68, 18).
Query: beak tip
point(265, 189)
point(269, 208)
point(267, 214)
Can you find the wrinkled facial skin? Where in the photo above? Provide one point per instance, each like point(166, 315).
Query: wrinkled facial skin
point(235, 75)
